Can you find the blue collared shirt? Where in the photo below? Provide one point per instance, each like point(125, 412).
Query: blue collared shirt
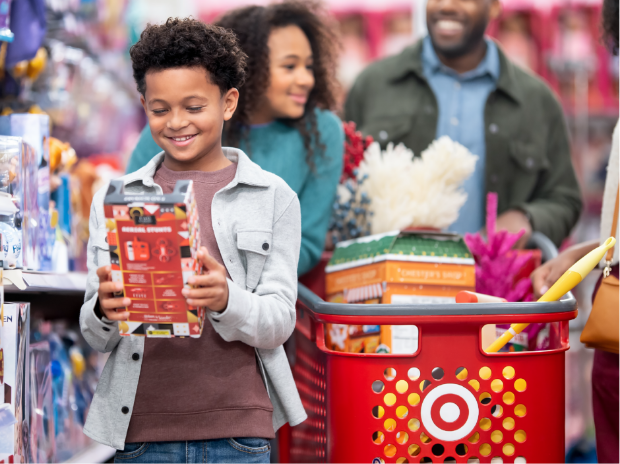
point(461, 99)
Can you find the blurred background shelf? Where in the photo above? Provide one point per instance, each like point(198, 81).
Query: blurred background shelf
point(17, 281)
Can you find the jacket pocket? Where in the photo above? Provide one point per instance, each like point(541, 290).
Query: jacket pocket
point(527, 157)
point(389, 129)
point(101, 248)
point(256, 245)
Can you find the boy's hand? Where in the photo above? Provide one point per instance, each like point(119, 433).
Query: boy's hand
point(213, 287)
point(112, 308)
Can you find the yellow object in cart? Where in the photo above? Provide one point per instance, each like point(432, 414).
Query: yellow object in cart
point(565, 284)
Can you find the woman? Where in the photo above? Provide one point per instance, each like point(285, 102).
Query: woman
point(605, 368)
point(283, 120)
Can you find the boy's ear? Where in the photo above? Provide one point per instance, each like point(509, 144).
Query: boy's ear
point(143, 102)
point(231, 99)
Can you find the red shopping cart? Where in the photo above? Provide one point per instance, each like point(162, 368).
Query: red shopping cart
point(447, 402)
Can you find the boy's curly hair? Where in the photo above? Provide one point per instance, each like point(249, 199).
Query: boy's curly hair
point(252, 26)
point(609, 24)
point(189, 43)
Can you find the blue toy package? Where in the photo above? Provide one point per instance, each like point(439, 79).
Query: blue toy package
point(72, 383)
point(34, 129)
point(42, 430)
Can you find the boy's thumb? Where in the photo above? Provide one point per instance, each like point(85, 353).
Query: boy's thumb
point(207, 260)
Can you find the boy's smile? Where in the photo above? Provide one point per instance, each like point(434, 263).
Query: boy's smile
point(186, 114)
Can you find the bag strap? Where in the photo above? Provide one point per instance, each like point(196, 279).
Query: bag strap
point(614, 228)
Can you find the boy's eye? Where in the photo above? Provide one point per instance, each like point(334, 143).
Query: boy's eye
point(162, 111)
point(290, 67)
point(195, 108)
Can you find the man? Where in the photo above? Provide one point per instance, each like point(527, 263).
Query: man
point(458, 83)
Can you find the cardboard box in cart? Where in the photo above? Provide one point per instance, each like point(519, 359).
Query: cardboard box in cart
point(408, 267)
point(153, 241)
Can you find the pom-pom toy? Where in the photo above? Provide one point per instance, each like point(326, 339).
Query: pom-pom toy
point(420, 192)
point(497, 264)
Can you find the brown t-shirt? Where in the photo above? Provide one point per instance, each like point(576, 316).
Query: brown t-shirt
point(199, 388)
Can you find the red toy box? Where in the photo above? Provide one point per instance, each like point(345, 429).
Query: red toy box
point(153, 244)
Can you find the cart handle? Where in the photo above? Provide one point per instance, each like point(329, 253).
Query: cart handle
point(324, 311)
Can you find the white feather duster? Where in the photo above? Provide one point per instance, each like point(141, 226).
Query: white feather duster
point(416, 192)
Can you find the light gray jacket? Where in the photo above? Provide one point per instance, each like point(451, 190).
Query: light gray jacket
point(257, 207)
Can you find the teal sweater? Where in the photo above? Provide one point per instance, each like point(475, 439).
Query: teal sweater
point(279, 149)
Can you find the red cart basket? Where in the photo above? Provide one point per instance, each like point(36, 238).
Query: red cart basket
point(447, 402)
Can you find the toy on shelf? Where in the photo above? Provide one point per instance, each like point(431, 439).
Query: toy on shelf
point(19, 179)
point(34, 130)
point(153, 243)
point(15, 383)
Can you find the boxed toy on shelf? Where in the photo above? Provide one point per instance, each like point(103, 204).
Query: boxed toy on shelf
point(153, 241)
point(407, 267)
point(14, 381)
point(19, 211)
point(34, 129)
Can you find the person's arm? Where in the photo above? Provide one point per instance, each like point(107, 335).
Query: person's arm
point(265, 318)
point(547, 274)
point(145, 150)
point(557, 205)
point(317, 196)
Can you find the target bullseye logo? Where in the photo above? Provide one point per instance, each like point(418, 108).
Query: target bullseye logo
point(449, 412)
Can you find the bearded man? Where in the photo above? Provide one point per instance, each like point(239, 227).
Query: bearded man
point(459, 83)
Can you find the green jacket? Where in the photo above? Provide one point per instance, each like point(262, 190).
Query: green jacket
point(528, 161)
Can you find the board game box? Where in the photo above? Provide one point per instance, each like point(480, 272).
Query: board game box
point(406, 267)
point(154, 240)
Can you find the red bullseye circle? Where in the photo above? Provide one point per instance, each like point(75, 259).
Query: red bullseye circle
point(463, 412)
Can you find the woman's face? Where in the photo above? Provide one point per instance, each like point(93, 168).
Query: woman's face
point(291, 75)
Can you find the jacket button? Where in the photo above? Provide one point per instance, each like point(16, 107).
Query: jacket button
point(265, 246)
point(383, 135)
point(106, 329)
point(135, 356)
point(124, 409)
point(493, 128)
point(529, 163)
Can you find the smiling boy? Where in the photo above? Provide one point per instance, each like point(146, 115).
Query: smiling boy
point(218, 398)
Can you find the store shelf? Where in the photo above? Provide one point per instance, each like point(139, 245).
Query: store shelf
point(17, 281)
point(94, 453)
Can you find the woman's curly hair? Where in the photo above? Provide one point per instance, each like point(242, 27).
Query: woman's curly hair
point(609, 24)
point(189, 43)
point(252, 26)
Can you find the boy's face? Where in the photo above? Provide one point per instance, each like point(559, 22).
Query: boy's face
point(186, 112)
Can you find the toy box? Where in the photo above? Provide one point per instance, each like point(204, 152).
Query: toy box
point(409, 267)
point(14, 381)
point(34, 129)
point(42, 425)
point(19, 178)
point(154, 240)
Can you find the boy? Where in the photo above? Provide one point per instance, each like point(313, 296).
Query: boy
point(220, 397)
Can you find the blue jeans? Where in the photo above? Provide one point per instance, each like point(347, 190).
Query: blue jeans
point(253, 450)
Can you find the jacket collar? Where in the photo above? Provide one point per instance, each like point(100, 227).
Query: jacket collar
point(410, 62)
point(248, 172)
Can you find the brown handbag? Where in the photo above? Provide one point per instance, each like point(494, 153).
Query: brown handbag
point(601, 330)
